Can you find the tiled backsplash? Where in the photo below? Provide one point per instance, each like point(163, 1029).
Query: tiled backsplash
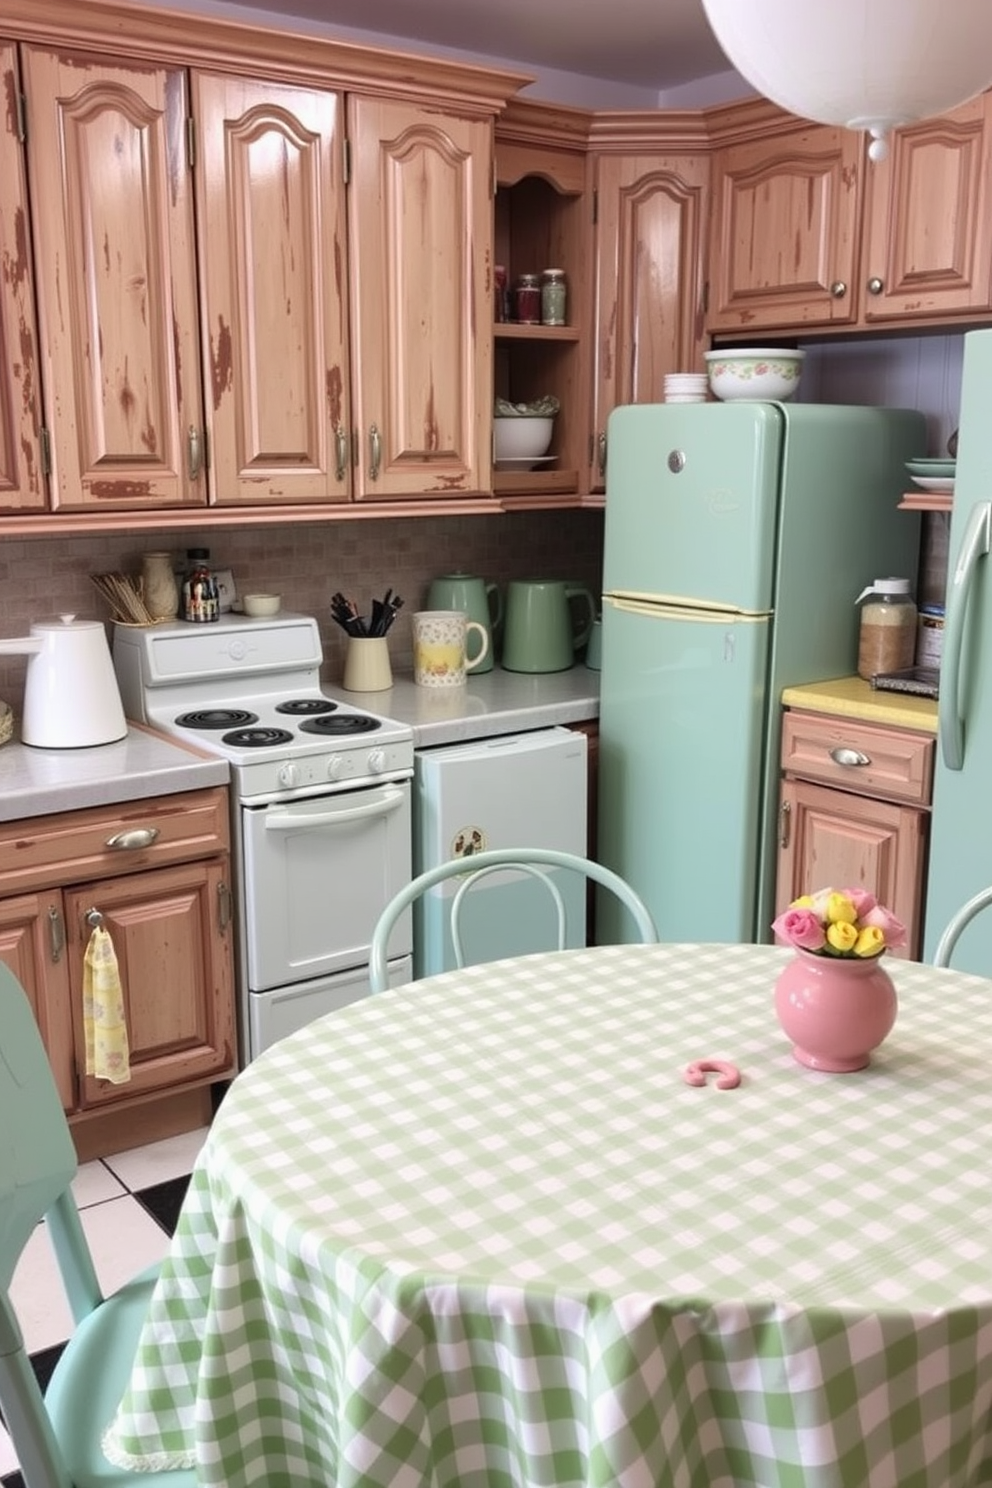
point(43, 577)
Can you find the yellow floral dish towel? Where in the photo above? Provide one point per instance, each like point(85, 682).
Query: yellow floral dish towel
point(103, 1011)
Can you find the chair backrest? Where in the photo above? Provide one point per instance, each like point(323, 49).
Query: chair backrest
point(958, 922)
point(37, 1166)
point(533, 861)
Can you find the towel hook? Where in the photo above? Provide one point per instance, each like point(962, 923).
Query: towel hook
point(94, 919)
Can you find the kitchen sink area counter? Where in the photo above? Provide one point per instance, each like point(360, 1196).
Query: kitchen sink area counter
point(852, 697)
point(496, 702)
point(40, 782)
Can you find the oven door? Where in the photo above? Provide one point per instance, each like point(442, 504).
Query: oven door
point(317, 873)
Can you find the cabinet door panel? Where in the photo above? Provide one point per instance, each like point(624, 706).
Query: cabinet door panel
point(649, 255)
point(928, 238)
point(273, 261)
point(829, 837)
point(174, 955)
point(786, 216)
point(113, 220)
point(32, 934)
point(22, 485)
point(420, 231)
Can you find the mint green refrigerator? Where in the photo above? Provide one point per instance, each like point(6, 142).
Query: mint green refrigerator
point(738, 537)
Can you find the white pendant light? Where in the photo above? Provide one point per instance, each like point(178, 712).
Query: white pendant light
point(864, 64)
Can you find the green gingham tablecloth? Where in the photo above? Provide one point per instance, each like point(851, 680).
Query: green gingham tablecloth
point(479, 1231)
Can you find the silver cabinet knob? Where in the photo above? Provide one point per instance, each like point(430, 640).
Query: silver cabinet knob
point(838, 289)
point(876, 286)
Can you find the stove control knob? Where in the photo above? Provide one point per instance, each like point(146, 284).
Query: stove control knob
point(288, 776)
point(377, 761)
point(335, 767)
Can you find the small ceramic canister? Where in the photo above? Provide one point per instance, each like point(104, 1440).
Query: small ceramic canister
point(439, 647)
point(366, 665)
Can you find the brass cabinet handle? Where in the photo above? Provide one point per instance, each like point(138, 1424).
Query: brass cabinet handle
point(784, 823)
point(844, 756)
point(132, 841)
point(602, 453)
point(225, 906)
point(340, 453)
point(838, 289)
point(194, 453)
point(375, 452)
point(875, 286)
point(56, 934)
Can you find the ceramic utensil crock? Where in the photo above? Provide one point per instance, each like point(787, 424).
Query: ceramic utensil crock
point(547, 620)
point(71, 697)
point(479, 601)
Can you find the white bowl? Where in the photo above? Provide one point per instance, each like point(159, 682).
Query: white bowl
point(765, 373)
point(522, 436)
point(259, 605)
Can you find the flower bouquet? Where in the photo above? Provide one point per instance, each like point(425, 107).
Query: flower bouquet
point(834, 999)
point(840, 922)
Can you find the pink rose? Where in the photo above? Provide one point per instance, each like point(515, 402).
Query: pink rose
point(863, 902)
point(800, 928)
point(883, 919)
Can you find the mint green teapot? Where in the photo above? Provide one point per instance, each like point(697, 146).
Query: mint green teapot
point(479, 601)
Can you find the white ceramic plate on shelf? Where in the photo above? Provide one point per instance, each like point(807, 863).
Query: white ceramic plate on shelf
point(525, 462)
point(933, 482)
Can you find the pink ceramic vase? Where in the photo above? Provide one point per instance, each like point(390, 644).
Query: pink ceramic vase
point(835, 1009)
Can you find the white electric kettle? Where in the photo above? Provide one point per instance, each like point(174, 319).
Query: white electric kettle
point(71, 697)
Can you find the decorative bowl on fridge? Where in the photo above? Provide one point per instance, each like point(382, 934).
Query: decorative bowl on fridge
point(758, 374)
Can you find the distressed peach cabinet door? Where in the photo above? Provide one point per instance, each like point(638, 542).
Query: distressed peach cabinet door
point(420, 230)
point(784, 240)
point(928, 228)
point(273, 268)
point(22, 485)
point(652, 217)
point(113, 228)
point(32, 945)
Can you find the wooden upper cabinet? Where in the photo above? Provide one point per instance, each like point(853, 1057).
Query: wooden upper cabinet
point(273, 268)
point(651, 222)
point(783, 250)
point(113, 219)
point(928, 234)
point(420, 240)
point(22, 485)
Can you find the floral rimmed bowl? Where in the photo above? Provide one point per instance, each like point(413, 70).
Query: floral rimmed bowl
point(768, 374)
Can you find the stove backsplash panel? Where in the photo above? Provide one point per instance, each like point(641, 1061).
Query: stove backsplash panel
point(306, 564)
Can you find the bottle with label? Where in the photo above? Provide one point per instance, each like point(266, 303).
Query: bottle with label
point(201, 599)
point(887, 640)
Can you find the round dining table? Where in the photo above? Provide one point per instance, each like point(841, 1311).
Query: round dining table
point(503, 1227)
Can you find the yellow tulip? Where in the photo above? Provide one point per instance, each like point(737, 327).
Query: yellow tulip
point(805, 901)
point(842, 936)
point(840, 910)
point(870, 941)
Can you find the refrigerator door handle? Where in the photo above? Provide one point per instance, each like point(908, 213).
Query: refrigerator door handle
point(975, 544)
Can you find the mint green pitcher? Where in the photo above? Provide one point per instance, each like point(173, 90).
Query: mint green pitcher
point(479, 601)
point(547, 620)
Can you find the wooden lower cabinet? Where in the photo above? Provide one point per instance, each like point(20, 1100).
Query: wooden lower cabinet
point(854, 812)
point(167, 906)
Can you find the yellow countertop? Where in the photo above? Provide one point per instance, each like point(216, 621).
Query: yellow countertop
point(852, 697)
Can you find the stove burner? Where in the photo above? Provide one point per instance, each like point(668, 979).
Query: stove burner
point(340, 724)
point(306, 705)
point(257, 738)
point(215, 718)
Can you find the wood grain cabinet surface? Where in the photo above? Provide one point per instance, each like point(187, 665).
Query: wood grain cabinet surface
point(854, 811)
point(158, 874)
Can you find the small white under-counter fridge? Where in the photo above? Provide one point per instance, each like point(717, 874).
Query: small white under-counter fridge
point(514, 790)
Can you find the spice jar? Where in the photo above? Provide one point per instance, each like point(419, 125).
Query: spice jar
point(201, 599)
point(527, 300)
point(887, 640)
point(553, 297)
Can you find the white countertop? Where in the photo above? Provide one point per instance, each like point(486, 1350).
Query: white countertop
point(38, 782)
point(495, 702)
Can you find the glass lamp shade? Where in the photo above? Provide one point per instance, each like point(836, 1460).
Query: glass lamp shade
point(863, 64)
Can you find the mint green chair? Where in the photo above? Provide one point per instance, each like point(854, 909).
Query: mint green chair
point(57, 1438)
point(958, 922)
point(534, 861)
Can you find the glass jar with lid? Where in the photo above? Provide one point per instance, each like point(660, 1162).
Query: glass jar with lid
point(887, 639)
point(201, 598)
point(553, 295)
point(527, 300)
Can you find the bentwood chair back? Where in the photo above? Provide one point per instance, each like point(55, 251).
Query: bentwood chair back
point(958, 922)
point(57, 1437)
point(536, 862)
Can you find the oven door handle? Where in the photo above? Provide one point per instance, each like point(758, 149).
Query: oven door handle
point(286, 821)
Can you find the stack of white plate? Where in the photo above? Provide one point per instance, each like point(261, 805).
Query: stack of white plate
point(686, 387)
